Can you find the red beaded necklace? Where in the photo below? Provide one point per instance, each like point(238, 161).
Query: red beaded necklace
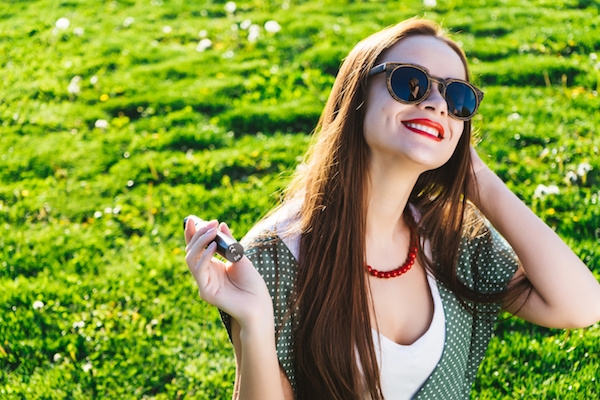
point(410, 259)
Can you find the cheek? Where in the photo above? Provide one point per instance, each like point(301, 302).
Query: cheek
point(457, 128)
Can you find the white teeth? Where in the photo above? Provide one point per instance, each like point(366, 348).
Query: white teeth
point(424, 128)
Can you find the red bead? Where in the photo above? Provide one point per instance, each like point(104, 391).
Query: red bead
point(410, 259)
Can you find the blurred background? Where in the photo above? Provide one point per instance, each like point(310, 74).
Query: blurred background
point(119, 118)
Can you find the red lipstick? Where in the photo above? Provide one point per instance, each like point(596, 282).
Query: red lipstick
point(425, 127)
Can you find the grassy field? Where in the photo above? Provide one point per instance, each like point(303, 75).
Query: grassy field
point(118, 118)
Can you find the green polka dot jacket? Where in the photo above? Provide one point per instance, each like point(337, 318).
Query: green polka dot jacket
point(467, 337)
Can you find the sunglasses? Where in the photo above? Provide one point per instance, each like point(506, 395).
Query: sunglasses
point(411, 84)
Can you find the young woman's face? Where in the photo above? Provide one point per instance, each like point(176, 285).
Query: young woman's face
point(421, 136)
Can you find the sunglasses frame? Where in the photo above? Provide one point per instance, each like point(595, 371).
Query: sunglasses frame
point(389, 68)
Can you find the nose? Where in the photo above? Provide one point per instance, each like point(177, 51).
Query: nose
point(435, 101)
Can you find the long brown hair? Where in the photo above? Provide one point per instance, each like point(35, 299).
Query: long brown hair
point(333, 344)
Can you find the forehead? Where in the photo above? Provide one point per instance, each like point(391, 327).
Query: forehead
point(429, 52)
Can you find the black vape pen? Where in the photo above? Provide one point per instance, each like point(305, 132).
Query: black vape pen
point(226, 246)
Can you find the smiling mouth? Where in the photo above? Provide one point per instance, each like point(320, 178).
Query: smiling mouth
point(427, 128)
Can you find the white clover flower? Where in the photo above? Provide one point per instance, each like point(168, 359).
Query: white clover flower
point(272, 26)
point(78, 324)
point(79, 31)
point(86, 367)
point(94, 80)
point(253, 32)
point(230, 7)
point(73, 87)
point(571, 177)
point(108, 210)
point(593, 56)
point(167, 29)
point(98, 214)
point(101, 124)
point(203, 33)
point(514, 117)
point(245, 24)
point(203, 45)
point(38, 304)
point(128, 21)
point(540, 191)
point(57, 357)
point(553, 189)
point(583, 169)
point(430, 3)
point(62, 23)
point(543, 190)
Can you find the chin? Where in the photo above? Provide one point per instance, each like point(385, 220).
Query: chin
point(427, 160)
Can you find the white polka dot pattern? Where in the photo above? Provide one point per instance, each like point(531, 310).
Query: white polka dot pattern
point(485, 263)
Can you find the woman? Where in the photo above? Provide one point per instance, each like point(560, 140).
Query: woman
point(376, 278)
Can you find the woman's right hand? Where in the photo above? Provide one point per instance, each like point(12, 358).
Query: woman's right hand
point(236, 288)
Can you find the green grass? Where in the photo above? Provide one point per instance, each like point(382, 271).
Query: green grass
point(90, 217)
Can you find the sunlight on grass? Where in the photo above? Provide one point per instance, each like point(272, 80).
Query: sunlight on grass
point(120, 118)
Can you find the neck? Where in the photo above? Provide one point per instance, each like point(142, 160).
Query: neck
point(389, 191)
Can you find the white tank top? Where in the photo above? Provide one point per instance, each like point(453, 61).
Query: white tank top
point(403, 369)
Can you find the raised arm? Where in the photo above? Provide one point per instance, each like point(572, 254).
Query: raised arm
point(239, 290)
point(565, 293)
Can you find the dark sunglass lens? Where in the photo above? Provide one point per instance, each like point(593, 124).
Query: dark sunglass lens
point(461, 100)
point(408, 83)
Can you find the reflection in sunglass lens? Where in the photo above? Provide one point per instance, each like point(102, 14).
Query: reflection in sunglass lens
point(461, 99)
point(408, 83)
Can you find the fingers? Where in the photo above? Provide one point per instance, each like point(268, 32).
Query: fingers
point(200, 230)
point(199, 241)
point(225, 229)
point(190, 229)
point(201, 272)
